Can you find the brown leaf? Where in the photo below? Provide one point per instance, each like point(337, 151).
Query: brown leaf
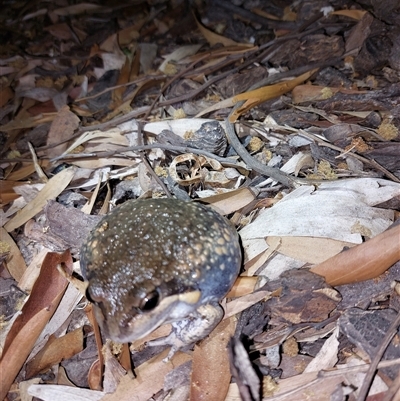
point(123, 78)
point(37, 311)
point(26, 122)
point(359, 33)
point(364, 261)
point(61, 129)
point(81, 8)
point(55, 350)
point(60, 31)
point(6, 94)
point(210, 370)
point(240, 304)
point(212, 37)
point(260, 95)
point(355, 14)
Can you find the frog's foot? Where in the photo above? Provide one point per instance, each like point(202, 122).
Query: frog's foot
point(185, 333)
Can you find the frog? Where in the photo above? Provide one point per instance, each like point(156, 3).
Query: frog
point(150, 262)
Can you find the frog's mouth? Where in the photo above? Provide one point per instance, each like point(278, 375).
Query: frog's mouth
point(170, 309)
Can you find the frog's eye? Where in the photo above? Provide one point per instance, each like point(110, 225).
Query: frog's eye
point(150, 301)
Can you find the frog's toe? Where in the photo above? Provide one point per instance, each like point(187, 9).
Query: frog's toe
point(174, 341)
point(185, 333)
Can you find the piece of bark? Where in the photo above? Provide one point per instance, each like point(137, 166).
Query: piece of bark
point(366, 329)
point(66, 228)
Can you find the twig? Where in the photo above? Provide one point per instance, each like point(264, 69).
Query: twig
point(362, 395)
point(174, 148)
point(183, 149)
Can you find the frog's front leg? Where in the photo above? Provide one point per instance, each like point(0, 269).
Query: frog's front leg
point(195, 327)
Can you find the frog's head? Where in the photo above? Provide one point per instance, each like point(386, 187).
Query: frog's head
point(128, 315)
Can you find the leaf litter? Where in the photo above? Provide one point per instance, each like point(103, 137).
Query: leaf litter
point(101, 103)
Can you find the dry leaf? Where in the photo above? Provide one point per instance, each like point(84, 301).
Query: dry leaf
point(62, 128)
point(240, 304)
point(26, 170)
point(242, 286)
point(149, 378)
point(51, 190)
point(229, 202)
point(210, 369)
point(6, 94)
point(60, 31)
point(307, 249)
point(15, 263)
point(258, 96)
point(312, 93)
point(326, 357)
point(339, 210)
point(358, 34)
point(364, 261)
point(55, 351)
point(178, 54)
point(51, 392)
point(213, 38)
point(27, 122)
point(98, 141)
point(355, 14)
point(40, 306)
point(81, 8)
point(71, 298)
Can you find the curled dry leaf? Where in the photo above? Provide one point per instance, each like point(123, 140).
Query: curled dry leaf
point(197, 172)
